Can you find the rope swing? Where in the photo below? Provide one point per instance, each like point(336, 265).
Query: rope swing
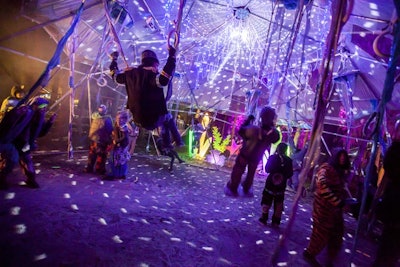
point(114, 32)
point(176, 34)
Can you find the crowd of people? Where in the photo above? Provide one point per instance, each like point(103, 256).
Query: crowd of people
point(112, 143)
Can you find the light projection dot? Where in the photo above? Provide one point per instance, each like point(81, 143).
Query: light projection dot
point(74, 207)
point(349, 235)
point(71, 175)
point(123, 210)
point(9, 196)
point(73, 182)
point(102, 221)
point(66, 195)
point(15, 211)
point(105, 195)
point(207, 248)
point(144, 221)
point(37, 171)
point(176, 239)
point(40, 257)
point(259, 242)
point(293, 252)
point(117, 239)
point(193, 245)
point(20, 229)
point(348, 251)
point(267, 232)
point(282, 264)
point(166, 232)
point(143, 238)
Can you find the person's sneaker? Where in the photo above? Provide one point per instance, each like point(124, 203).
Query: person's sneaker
point(108, 177)
point(3, 185)
point(274, 225)
point(228, 192)
point(263, 220)
point(311, 259)
point(243, 193)
point(87, 170)
point(31, 184)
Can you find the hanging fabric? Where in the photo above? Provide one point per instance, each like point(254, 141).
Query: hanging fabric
point(379, 115)
point(55, 60)
point(340, 13)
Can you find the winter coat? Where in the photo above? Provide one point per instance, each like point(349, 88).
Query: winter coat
point(145, 91)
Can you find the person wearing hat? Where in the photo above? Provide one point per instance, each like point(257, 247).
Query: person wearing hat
point(18, 144)
point(145, 89)
point(100, 131)
point(16, 94)
point(256, 139)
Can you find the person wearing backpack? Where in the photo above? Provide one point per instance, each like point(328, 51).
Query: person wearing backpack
point(279, 168)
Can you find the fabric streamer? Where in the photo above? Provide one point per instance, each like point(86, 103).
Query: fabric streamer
point(339, 12)
point(379, 115)
point(55, 60)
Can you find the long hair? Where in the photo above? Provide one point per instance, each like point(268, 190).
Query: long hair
point(335, 160)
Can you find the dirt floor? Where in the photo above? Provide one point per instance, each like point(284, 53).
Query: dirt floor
point(153, 218)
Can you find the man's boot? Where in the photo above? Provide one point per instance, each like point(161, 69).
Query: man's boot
point(31, 181)
point(3, 182)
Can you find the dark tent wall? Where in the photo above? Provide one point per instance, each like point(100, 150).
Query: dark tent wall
point(24, 56)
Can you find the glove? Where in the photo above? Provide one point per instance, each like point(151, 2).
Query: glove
point(113, 66)
point(171, 51)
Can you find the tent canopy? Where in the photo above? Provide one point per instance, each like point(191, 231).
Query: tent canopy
point(234, 56)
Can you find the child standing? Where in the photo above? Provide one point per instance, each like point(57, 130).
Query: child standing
point(279, 168)
point(120, 155)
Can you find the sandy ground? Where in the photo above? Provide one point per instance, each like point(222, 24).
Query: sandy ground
point(153, 218)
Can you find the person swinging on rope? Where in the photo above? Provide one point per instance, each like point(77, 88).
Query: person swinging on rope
point(145, 90)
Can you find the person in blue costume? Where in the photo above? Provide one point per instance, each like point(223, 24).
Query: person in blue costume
point(19, 130)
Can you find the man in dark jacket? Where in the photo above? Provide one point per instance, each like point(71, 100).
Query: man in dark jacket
point(279, 168)
point(145, 90)
point(256, 139)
